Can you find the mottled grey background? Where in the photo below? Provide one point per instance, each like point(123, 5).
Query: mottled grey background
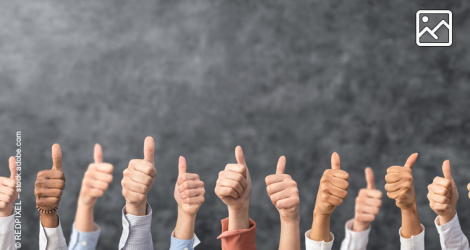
point(294, 78)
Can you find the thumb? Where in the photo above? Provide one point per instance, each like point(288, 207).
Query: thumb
point(411, 160)
point(335, 161)
point(12, 165)
point(98, 153)
point(149, 149)
point(281, 165)
point(56, 157)
point(240, 156)
point(446, 170)
point(370, 178)
point(181, 166)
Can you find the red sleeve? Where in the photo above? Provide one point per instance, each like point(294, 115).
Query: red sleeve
point(243, 239)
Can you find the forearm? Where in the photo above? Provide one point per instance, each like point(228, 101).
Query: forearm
point(320, 227)
point(410, 223)
point(239, 219)
point(290, 235)
point(49, 220)
point(84, 218)
point(184, 229)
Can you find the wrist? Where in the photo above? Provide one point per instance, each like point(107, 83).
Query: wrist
point(318, 214)
point(49, 220)
point(82, 203)
point(137, 209)
point(291, 220)
point(185, 215)
point(443, 219)
point(359, 226)
point(239, 218)
point(6, 213)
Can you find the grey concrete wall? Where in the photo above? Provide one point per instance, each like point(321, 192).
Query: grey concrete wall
point(294, 78)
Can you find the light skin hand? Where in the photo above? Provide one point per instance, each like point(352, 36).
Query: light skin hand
point(96, 181)
point(138, 179)
point(189, 194)
point(331, 193)
point(234, 189)
point(8, 192)
point(368, 203)
point(282, 190)
point(48, 188)
point(443, 195)
point(400, 187)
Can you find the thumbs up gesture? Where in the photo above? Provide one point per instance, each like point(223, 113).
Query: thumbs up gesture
point(97, 179)
point(189, 190)
point(50, 183)
point(234, 184)
point(400, 185)
point(333, 188)
point(138, 179)
point(8, 192)
point(282, 190)
point(443, 195)
point(368, 203)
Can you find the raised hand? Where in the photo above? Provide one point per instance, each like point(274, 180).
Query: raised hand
point(97, 179)
point(50, 183)
point(282, 190)
point(189, 190)
point(8, 192)
point(234, 183)
point(443, 195)
point(333, 188)
point(400, 185)
point(138, 179)
point(234, 189)
point(368, 203)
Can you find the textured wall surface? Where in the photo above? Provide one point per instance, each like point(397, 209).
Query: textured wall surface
point(295, 78)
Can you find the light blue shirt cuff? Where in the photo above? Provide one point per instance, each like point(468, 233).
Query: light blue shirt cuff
point(84, 240)
point(177, 244)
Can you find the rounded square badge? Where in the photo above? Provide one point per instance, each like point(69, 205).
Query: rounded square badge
point(434, 28)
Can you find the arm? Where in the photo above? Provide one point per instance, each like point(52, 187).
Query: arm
point(137, 181)
point(48, 190)
point(282, 190)
point(331, 193)
point(400, 187)
point(189, 194)
point(8, 196)
point(234, 189)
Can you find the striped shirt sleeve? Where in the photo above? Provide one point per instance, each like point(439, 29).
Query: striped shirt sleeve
point(136, 233)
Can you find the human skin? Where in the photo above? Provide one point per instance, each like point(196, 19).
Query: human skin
point(331, 193)
point(8, 192)
point(138, 179)
point(368, 203)
point(400, 187)
point(48, 188)
point(283, 192)
point(189, 194)
point(234, 189)
point(443, 195)
point(95, 182)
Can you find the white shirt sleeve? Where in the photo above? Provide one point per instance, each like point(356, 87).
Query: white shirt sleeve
point(451, 235)
point(416, 242)
point(7, 235)
point(136, 233)
point(318, 245)
point(354, 240)
point(51, 238)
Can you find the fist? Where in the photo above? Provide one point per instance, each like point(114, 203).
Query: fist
point(368, 203)
point(283, 192)
point(189, 190)
point(97, 179)
point(400, 185)
point(443, 195)
point(333, 188)
point(234, 184)
point(50, 183)
point(8, 192)
point(139, 176)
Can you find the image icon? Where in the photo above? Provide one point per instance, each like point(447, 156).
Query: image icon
point(434, 28)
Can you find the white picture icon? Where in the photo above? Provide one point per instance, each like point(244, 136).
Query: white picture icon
point(434, 28)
